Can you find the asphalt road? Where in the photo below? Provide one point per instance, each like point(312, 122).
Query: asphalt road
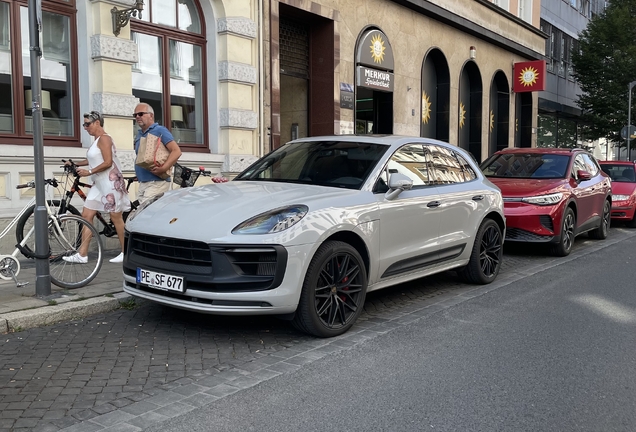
point(555, 351)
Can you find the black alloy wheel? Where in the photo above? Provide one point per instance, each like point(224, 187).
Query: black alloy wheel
point(602, 231)
point(568, 225)
point(333, 292)
point(486, 256)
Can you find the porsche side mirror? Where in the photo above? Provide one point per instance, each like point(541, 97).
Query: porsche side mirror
point(583, 175)
point(397, 184)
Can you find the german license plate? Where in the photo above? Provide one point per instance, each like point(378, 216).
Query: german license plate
point(160, 281)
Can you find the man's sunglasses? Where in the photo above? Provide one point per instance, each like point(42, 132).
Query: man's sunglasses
point(140, 114)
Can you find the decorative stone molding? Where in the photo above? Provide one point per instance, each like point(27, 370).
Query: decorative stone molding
point(234, 118)
point(114, 104)
point(237, 163)
point(237, 26)
point(127, 159)
point(114, 49)
point(239, 72)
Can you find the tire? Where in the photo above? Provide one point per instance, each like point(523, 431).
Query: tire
point(486, 256)
point(333, 291)
point(568, 224)
point(27, 220)
point(65, 239)
point(602, 231)
point(631, 223)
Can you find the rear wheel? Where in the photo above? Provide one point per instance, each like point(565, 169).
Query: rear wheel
point(486, 256)
point(568, 223)
point(333, 292)
point(66, 237)
point(602, 231)
point(27, 221)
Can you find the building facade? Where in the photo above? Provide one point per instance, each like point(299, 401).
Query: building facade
point(234, 79)
point(438, 69)
point(559, 115)
point(196, 62)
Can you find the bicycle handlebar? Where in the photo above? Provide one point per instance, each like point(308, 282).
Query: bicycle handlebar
point(31, 184)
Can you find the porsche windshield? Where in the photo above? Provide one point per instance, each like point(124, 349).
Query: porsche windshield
point(325, 163)
point(526, 165)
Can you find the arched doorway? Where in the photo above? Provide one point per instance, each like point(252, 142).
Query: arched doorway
point(374, 83)
point(435, 96)
point(470, 108)
point(523, 120)
point(499, 115)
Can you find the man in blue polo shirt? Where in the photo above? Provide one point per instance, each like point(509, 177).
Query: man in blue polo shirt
point(150, 184)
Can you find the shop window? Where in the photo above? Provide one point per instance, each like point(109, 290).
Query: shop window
point(170, 71)
point(58, 70)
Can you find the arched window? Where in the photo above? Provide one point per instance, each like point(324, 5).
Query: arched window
point(171, 69)
point(58, 64)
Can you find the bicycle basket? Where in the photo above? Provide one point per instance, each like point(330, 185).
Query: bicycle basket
point(184, 176)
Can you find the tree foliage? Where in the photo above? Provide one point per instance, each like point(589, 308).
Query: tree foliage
point(604, 66)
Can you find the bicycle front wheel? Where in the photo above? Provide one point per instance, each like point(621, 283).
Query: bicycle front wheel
point(68, 235)
point(26, 222)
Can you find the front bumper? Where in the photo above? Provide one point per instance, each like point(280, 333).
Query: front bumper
point(532, 223)
point(622, 211)
point(237, 280)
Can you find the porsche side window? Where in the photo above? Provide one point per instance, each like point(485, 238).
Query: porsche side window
point(446, 167)
point(410, 160)
point(467, 169)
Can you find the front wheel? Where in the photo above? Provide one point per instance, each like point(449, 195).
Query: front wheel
point(67, 236)
point(602, 231)
point(333, 292)
point(486, 256)
point(568, 225)
point(27, 222)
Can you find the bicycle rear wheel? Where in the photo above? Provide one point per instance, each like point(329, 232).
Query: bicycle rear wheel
point(65, 239)
point(26, 222)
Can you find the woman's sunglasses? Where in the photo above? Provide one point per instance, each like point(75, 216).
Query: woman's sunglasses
point(87, 124)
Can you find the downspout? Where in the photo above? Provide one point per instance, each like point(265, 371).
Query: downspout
point(261, 80)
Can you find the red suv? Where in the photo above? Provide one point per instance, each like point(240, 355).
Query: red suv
point(551, 195)
point(623, 175)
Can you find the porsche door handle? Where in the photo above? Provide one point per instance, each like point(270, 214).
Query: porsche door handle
point(478, 197)
point(433, 204)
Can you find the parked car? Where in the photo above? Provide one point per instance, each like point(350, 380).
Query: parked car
point(307, 230)
point(551, 195)
point(623, 175)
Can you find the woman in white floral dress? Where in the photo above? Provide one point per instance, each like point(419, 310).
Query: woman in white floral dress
point(108, 193)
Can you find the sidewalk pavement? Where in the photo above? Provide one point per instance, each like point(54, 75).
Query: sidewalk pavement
point(20, 309)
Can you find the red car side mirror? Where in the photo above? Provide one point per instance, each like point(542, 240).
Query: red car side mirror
point(583, 175)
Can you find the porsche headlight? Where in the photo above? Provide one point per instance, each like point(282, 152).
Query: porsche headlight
point(143, 206)
point(620, 197)
point(544, 200)
point(273, 221)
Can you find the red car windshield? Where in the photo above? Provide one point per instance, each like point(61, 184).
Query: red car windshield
point(526, 165)
point(619, 172)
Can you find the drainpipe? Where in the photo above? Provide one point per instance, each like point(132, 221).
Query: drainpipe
point(261, 80)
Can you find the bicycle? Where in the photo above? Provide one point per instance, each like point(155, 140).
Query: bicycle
point(67, 233)
point(64, 206)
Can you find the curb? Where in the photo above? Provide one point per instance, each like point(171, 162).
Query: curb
point(31, 318)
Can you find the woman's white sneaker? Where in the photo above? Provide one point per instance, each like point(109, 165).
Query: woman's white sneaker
point(76, 259)
point(118, 259)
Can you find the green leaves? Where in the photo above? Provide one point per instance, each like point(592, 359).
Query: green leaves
point(604, 66)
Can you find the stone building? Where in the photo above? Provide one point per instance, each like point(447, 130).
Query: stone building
point(233, 79)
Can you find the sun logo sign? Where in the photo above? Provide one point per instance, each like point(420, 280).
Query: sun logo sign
point(377, 48)
point(529, 76)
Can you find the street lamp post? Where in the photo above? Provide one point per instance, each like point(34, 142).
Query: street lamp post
point(629, 121)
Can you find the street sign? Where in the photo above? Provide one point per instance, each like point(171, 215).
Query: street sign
point(632, 132)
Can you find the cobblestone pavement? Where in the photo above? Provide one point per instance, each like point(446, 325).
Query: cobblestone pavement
point(146, 364)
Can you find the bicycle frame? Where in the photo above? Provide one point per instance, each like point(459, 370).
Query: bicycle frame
point(13, 223)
